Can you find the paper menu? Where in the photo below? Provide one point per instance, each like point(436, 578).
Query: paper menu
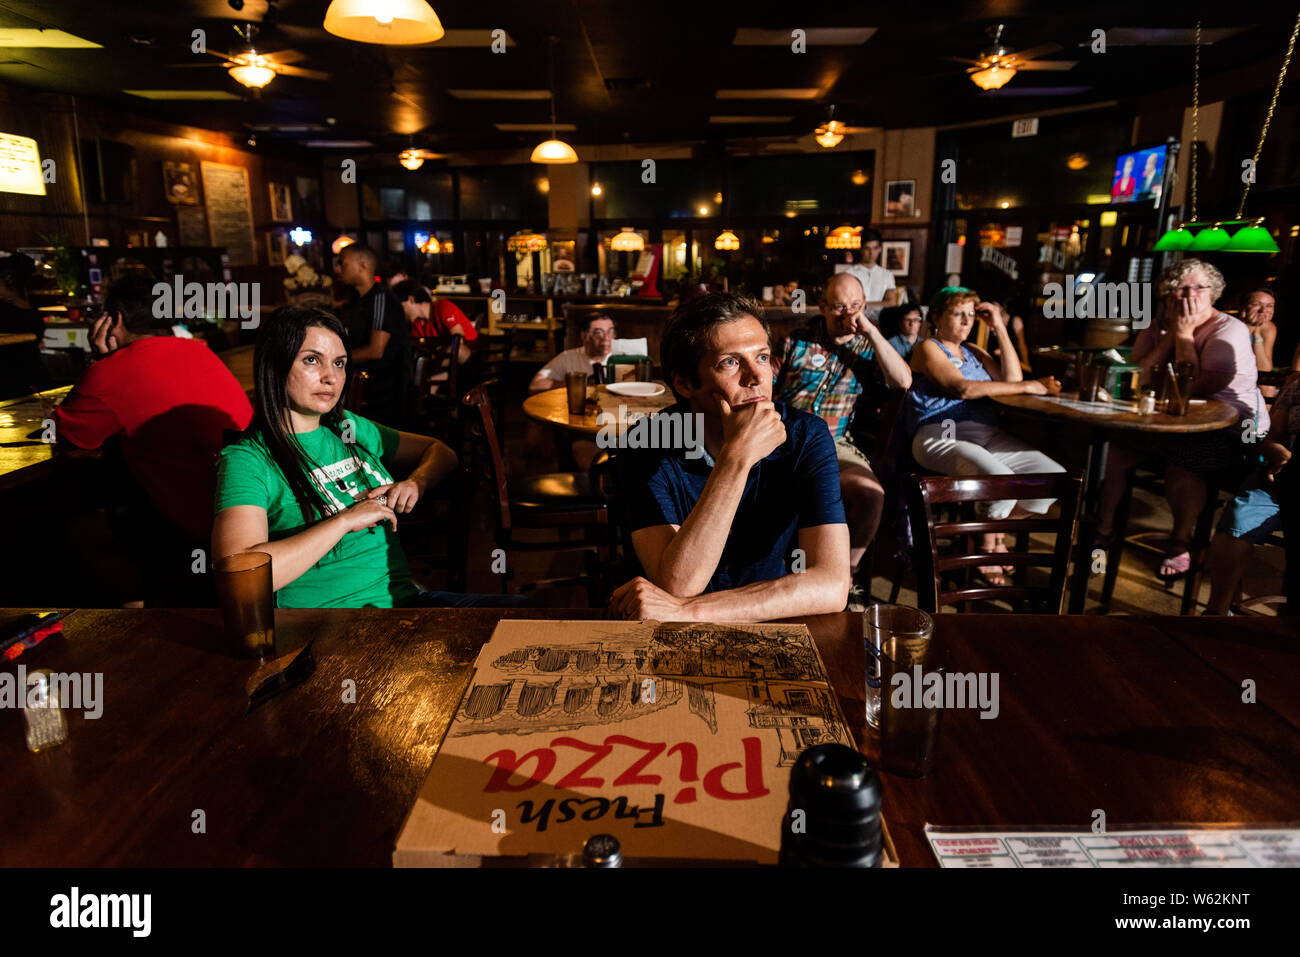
point(1188, 847)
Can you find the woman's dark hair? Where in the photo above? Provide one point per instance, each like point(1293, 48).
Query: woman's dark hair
point(277, 350)
point(690, 331)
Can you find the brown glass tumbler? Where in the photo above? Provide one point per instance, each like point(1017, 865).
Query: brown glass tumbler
point(1092, 379)
point(244, 587)
point(576, 384)
point(909, 729)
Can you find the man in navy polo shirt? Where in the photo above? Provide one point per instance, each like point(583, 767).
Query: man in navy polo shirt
point(751, 527)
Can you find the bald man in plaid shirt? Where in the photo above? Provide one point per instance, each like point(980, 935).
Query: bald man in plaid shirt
point(824, 368)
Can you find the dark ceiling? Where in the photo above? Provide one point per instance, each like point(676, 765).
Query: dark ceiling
point(647, 70)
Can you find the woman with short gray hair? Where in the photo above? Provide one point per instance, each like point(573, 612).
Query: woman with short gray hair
point(1218, 345)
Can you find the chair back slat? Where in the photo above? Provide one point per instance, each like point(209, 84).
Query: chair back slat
point(1017, 525)
point(480, 398)
point(926, 492)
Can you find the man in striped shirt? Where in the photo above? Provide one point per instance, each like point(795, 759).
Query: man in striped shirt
point(379, 336)
point(824, 368)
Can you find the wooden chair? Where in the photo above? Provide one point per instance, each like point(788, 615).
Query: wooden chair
point(356, 397)
point(1201, 536)
point(437, 414)
point(559, 501)
point(926, 492)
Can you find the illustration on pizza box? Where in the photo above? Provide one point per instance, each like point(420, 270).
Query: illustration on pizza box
point(675, 738)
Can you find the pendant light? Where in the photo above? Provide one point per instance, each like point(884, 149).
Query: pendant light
point(526, 241)
point(1210, 240)
point(996, 62)
point(727, 241)
point(831, 133)
point(1174, 241)
point(993, 77)
point(1253, 237)
point(251, 71)
point(553, 151)
point(390, 22)
point(411, 159)
point(627, 241)
point(844, 237)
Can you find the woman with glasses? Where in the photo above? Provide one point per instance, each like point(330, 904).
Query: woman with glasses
point(1218, 346)
point(950, 418)
point(314, 486)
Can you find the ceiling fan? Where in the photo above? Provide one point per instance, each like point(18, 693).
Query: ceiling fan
point(830, 133)
point(255, 68)
point(998, 63)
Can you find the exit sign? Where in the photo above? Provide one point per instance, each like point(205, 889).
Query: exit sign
point(1027, 127)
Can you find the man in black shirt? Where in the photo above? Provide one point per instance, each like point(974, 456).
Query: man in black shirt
point(379, 335)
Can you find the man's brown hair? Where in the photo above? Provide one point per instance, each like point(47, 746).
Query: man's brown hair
point(689, 333)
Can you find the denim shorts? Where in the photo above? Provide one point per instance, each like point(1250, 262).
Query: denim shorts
point(1253, 516)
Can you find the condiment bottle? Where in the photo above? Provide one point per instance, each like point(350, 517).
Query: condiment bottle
point(833, 819)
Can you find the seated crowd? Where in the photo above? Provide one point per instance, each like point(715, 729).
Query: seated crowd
point(769, 516)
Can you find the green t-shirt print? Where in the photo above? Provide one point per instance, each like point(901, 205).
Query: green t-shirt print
point(366, 568)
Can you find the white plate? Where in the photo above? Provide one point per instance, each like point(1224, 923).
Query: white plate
point(642, 389)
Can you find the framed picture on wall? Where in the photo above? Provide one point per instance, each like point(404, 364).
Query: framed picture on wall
point(180, 184)
point(896, 256)
point(281, 203)
point(277, 247)
point(900, 197)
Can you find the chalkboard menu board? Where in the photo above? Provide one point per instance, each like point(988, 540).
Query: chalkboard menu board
point(230, 211)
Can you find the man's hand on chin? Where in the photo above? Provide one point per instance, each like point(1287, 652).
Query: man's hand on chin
point(641, 599)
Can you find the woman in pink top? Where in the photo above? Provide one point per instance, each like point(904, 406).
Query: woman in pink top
point(1191, 330)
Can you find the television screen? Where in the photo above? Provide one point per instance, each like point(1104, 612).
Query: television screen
point(1139, 176)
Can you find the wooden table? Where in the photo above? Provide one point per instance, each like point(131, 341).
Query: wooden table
point(1100, 422)
point(34, 459)
point(552, 407)
point(31, 458)
point(1140, 717)
point(16, 338)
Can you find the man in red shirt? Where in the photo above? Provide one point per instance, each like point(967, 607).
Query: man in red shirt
point(432, 319)
point(169, 400)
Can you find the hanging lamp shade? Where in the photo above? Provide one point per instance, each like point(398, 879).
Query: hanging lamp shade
point(727, 240)
point(1210, 240)
point(993, 77)
point(844, 237)
point(1252, 239)
point(252, 71)
point(341, 243)
point(627, 241)
point(390, 22)
point(554, 152)
point(525, 241)
point(829, 135)
point(1174, 241)
point(411, 159)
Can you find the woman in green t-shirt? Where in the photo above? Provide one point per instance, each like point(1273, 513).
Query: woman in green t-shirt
point(312, 484)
